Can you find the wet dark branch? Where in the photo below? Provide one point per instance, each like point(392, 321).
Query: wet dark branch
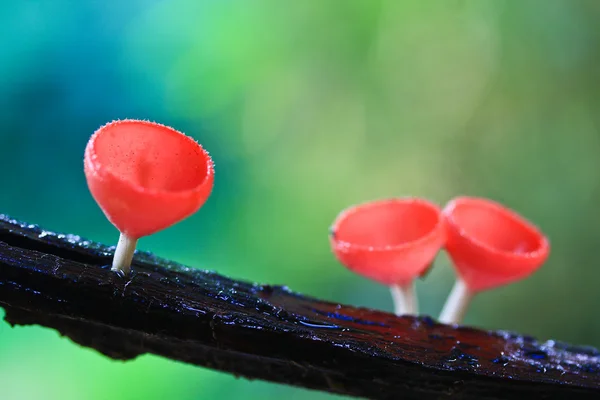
point(268, 332)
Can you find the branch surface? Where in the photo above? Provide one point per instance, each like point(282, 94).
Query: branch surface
point(268, 332)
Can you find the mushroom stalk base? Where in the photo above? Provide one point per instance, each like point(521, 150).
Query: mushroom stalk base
point(405, 299)
point(124, 254)
point(456, 306)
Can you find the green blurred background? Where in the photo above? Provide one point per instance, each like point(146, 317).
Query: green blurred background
point(307, 107)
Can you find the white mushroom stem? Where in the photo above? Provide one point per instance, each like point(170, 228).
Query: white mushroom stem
point(405, 299)
point(457, 303)
point(124, 254)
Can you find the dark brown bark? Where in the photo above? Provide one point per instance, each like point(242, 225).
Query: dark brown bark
point(268, 332)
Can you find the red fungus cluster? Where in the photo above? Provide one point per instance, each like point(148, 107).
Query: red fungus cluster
point(395, 241)
point(146, 177)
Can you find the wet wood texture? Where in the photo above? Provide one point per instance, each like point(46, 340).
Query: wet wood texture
point(63, 282)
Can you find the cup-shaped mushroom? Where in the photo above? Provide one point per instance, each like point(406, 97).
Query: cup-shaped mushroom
point(146, 176)
point(490, 246)
point(390, 241)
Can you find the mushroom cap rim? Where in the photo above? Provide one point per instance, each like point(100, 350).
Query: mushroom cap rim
point(540, 251)
point(103, 170)
point(395, 247)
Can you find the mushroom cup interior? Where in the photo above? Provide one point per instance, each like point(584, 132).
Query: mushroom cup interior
point(496, 227)
point(389, 223)
point(152, 156)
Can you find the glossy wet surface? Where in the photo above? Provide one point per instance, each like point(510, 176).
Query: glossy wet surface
point(64, 282)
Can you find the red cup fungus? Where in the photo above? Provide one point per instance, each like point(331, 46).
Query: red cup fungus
point(490, 246)
point(145, 177)
point(390, 241)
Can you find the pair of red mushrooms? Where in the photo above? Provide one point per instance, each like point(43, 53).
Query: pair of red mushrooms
point(146, 177)
point(396, 241)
